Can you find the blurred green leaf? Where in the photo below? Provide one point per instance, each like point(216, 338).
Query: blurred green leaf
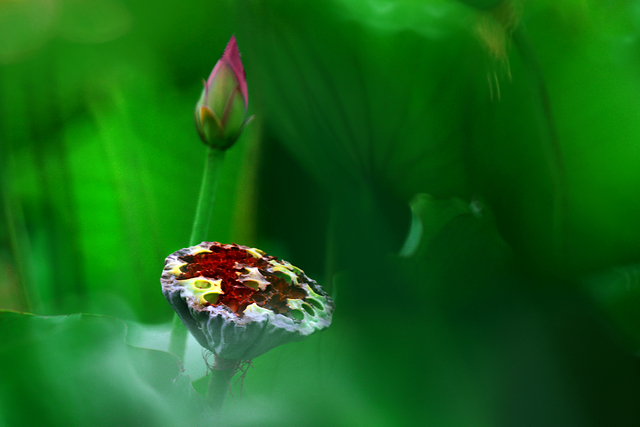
point(78, 370)
point(617, 292)
point(363, 92)
point(589, 63)
point(530, 348)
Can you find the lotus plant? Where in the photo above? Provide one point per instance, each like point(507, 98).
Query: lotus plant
point(235, 300)
point(220, 116)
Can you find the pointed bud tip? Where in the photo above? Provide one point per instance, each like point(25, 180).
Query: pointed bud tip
point(232, 48)
point(232, 55)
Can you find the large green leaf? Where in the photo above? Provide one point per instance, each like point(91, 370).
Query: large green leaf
point(78, 370)
point(365, 93)
point(588, 67)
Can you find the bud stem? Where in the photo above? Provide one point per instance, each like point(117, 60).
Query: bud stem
point(208, 191)
point(199, 233)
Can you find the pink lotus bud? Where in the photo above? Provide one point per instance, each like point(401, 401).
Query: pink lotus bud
point(221, 112)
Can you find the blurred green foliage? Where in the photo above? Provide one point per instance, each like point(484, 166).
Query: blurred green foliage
point(503, 142)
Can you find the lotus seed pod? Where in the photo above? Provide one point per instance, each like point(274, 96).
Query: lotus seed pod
point(239, 302)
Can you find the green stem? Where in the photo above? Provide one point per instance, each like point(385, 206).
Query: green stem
point(18, 239)
point(549, 138)
point(220, 381)
point(199, 233)
point(208, 190)
point(178, 338)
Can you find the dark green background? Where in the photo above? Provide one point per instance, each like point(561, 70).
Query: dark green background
point(517, 305)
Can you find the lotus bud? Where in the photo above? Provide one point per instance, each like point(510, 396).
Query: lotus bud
point(239, 302)
point(221, 112)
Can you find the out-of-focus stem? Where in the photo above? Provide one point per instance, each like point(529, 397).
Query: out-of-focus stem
point(549, 138)
point(178, 338)
point(199, 233)
point(16, 228)
point(220, 382)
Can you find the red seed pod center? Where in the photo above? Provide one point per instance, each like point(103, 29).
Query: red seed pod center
point(247, 277)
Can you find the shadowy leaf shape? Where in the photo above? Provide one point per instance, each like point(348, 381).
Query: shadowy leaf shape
point(78, 370)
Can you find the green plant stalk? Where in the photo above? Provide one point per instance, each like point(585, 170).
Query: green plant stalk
point(207, 198)
point(549, 138)
point(220, 382)
point(178, 338)
point(199, 233)
point(16, 228)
